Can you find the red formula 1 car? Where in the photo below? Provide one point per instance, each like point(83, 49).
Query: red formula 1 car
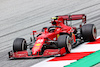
point(58, 39)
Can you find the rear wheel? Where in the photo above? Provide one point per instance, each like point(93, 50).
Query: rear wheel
point(19, 44)
point(89, 32)
point(65, 41)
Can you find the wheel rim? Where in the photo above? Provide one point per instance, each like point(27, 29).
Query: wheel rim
point(94, 32)
point(68, 42)
point(23, 43)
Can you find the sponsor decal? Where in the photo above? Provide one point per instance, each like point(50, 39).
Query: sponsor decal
point(38, 44)
point(36, 47)
point(39, 40)
point(54, 38)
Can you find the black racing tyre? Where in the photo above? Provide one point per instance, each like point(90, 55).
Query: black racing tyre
point(65, 41)
point(89, 32)
point(19, 44)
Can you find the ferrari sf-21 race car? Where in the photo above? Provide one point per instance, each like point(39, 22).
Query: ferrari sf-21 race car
point(56, 40)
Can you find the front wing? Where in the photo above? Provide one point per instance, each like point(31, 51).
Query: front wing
point(47, 53)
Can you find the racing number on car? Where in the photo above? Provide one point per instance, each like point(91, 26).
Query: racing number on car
point(39, 40)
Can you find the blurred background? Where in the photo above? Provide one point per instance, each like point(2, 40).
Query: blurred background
point(18, 18)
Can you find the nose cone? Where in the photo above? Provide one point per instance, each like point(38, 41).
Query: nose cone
point(35, 50)
point(37, 46)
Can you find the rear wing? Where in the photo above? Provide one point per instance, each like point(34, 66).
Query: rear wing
point(73, 17)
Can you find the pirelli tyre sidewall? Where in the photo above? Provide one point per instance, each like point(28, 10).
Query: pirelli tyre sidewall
point(19, 44)
point(89, 32)
point(65, 41)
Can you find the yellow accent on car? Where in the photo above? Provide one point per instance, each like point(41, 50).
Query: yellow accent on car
point(49, 52)
point(54, 18)
point(38, 44)
point(57, 35)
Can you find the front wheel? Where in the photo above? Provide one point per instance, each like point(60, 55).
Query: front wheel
point(65, 41)
point(19, 44)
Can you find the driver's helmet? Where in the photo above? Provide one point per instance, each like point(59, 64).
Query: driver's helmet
point(54, 21)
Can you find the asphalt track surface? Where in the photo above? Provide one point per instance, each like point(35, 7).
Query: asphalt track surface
point(18, 18)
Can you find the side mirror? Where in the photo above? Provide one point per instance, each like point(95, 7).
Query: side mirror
point(34, 32)
point(33, 35)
